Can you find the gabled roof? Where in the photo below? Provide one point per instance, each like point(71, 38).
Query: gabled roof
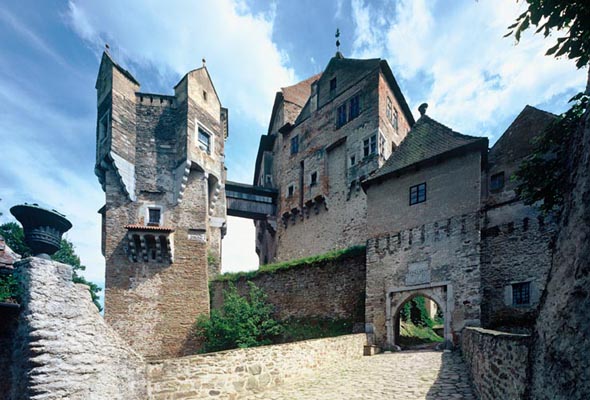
point(427, 140)
point(300, 92)
point(106, 58)
point(208, 77)
point(517, 141)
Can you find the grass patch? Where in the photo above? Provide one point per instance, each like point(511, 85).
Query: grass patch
point(303, 329)
point(412, 335)
point(308, 261)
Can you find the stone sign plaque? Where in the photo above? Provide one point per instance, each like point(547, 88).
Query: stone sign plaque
point(418, 273)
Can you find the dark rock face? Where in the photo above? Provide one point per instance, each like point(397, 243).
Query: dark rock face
point(561, 358)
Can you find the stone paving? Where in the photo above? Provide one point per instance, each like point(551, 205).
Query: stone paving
point(402, 375)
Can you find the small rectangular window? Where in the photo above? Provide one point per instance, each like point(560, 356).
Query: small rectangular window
point(395, 120)
point(352, 160)
point(295, 144)
point(332, 86)
point(355, 107)
point(154, 215)
point(418, 194)
point(389, 110)
point(497, 181)
point(313, 179)
point(521, 293)
point(204, 141)
point(370, 146)
point(269, 180)
point(290, 191)
point(341, 115)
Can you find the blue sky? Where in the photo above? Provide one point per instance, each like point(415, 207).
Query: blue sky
point(450, 54)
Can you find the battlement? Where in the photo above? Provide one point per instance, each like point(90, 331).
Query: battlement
point(154, 99)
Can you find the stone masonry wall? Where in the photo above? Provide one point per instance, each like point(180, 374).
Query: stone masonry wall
point(236, 373)
point(447, 254)
point(518, 251)
point(63, 347)
point(9, 317)
point(333, 289)
point(498, 363)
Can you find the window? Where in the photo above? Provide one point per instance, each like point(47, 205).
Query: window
point(204, 95)
point(352, 160)
point(389, 110)
point(370, 146)
point(269, 180)
point(313, 179)
point(290, 191)
point(204, 141)
point(332, 86)
point(295, 144)
point(154, 215)
point(418, 194)
point(341, 115)
point(521, 293)
point(103, 127)
point(355, 107)
point(395, 126)
point(497, 181)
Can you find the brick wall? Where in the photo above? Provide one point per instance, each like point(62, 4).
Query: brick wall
point(498, 363)
point(237, 373)
point(333, 289)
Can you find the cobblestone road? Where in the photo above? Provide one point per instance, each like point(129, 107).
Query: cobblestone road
point(404, 375)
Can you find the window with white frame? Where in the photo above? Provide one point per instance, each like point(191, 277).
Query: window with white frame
point(154, 216)
point(370, 145)
point(204, 140)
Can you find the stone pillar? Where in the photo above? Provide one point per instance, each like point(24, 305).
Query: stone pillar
point(63, 348)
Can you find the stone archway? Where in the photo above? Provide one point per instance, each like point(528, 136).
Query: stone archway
point(397, 297)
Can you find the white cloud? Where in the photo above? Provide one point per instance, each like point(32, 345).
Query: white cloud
point(245, 64)
point(238, 246)
point(455, 56)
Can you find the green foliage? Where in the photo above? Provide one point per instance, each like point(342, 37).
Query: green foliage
point(14, 237)
point(9, 288)
point(313, 260)
point(543, 176)
point(571, 18)
point(242, 322)
point(414, 311)
point(411, 335)
point(296, 329)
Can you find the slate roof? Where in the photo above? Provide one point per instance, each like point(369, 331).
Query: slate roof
point(426, 141)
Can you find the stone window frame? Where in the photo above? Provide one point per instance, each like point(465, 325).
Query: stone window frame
point(354, 108)
point(415, 197)
point(522, 297)
point(370, 145)
point(341, 115)
point(333, 86)
point(295, 144)
point(352, 160)
point(290, 190)
point(201, 145)
point(147, 214)
point(389, 109)
point(313, 178)
point(497, 181)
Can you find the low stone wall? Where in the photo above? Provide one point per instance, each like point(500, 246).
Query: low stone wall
point(234, 373)
point(333, 289)
point(498, 363)
point(62, 346)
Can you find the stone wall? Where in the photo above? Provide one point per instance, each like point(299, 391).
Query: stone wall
point(439, 260)
point(235, 373)
point(63, 348)
point(513, 252)
point(9, 322)
point(498, 363)
point(561, 343)
point(324, 289)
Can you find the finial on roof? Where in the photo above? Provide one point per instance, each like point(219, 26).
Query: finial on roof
point(423, 108)
point(338, 42)
point(204, 62)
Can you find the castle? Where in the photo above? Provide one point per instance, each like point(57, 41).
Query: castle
point(343, 163)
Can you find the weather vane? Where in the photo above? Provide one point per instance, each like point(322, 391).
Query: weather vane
point(337, 39)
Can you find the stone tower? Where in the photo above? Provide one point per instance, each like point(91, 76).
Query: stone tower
point(160, 161)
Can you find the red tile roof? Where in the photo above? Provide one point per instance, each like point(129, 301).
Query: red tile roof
point(299, 93)
point(139, 227)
